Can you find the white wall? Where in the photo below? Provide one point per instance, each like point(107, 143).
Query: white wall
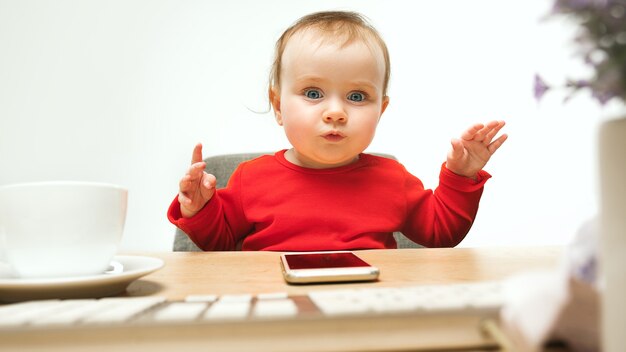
point(120, 91)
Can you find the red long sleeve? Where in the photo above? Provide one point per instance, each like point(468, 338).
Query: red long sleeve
point(271, 204)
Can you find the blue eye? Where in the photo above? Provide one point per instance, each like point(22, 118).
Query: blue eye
point(313, 94)
point(356, 96)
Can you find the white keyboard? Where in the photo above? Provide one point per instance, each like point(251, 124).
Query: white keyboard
point(476, 299)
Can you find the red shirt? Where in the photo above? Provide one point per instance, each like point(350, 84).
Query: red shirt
point(272, 204)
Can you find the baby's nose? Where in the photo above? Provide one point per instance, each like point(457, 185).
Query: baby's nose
point(335, 112)
point(335, 117)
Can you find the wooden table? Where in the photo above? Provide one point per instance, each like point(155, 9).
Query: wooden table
point(188, 273)
point(259, 272)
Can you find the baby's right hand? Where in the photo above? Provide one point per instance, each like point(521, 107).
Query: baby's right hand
point(197, 187)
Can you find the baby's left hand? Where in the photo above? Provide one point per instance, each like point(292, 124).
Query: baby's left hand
point(472, 152)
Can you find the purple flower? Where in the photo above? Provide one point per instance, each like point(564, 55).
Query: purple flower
point(602, 97)
point(540, 87)
point(601, 42)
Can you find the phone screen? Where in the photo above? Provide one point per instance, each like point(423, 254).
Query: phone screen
point(324, 260)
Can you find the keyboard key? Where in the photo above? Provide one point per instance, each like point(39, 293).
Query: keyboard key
point(22, 313)
point(228, 310)
point(236, 298)
point(180, 311)
point(272, 295)
point(339, 302)
point(72, 314)
point(201, 298)
point(431, 298)
point(275, 308)
point(123, 309)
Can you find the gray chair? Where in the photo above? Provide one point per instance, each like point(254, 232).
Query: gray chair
point(222, 166)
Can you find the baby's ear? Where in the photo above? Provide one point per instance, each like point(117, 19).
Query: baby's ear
point(385, 104)
point(275, 101)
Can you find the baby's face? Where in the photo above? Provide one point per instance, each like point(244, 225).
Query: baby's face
point(330, 99)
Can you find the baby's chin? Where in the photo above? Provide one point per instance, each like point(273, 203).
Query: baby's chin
point(325, 160)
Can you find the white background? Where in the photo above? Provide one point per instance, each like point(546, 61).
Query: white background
point(120, 91)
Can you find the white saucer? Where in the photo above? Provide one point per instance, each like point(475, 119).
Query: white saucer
point(94, 286)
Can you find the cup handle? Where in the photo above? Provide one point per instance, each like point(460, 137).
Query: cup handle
point(115, 267)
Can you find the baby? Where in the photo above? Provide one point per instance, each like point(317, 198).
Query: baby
point(328, 90)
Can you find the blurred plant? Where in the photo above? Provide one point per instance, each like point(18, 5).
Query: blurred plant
point(602, 43)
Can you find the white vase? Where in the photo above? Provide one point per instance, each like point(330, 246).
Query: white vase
point(612, 168)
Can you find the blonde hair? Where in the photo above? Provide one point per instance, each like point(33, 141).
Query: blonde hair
point(335, 25)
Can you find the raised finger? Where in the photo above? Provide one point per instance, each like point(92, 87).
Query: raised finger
point(197, 154)
point(494, 128)
point(497, 143)
point(471, 132)
point(482, 134)
point(457, 150)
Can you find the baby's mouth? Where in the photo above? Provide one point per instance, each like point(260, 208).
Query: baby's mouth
point(334, 136)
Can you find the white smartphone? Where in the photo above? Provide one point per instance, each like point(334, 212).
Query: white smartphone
point(331, 266)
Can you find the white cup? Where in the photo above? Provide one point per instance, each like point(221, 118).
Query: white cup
point(60, 229)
